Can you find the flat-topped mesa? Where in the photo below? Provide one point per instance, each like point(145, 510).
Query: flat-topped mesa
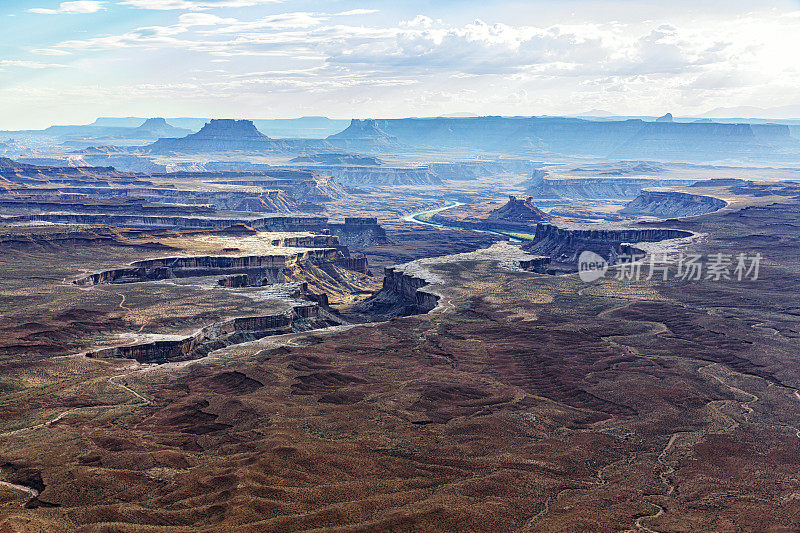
point(219, 135)
point(565, 245)
point(604, 187)
point(63, 203)
point(158, 127)
point(229, 130)
point(359, 232)
point(261, 269)
point(361, 129)
point(364, 135)
point(380, 175)
point(338, 159)
point(517, 210)
point(25, 173)
point(672, 204)
point(229, 332)
point(276, 223)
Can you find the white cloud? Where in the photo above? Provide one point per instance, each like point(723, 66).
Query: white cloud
point(282, 21)
point(50, 52)
point(357, 12)
point(203, 19)
point(28, 64)
point(429, 65)
point(72, 8)
point(194, 5)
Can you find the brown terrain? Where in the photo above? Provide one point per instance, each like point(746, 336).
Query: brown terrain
point(516, 400)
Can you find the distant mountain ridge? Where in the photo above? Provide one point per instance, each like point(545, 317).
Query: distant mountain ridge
point(782, 112)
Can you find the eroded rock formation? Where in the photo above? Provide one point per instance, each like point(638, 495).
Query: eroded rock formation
point(234, 331)
point(565, 245)
point(671, 204)
point(518, 211)
point(402, 294)
point(261, 269)
point(592, 188)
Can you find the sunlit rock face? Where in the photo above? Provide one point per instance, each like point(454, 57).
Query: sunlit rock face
point(518, 210)
point(227, 129)
point(566, 244)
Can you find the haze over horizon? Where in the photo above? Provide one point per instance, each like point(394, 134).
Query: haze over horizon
point(69, 62)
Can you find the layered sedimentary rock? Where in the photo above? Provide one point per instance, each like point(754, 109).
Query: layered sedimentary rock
point(354, 232)
point(16, 172)
point(58, 238)
point(671, 141)
point(234, 331)
point(538, 264)
point(565, 245)
point(364, 136)
point(191, 201)
point(282, 190)
point(155, 128)
point(338, 159)
point(379, 175)
point(99, 206)
point(359, 232)
point(518, 211)
point(516, 215)
point(360, 170)
point(226, 135)
point(261, 268)
point(402, 294)
point(594, 188)
point(670, 204)
point(471, 170)
point(408, 287)
point(303, 184)
point(572, 136)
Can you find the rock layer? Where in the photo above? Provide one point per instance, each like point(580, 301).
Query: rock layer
point(670, 204)
point(565, 245)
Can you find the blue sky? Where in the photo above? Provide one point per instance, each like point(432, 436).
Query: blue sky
point(68, 62)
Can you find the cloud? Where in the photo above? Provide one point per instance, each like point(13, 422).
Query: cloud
point(357, 12)
point(480, 64)
point(202, 19)
point(50, 52)
point(72, 8)
point(28, 64)
point(193, 5)
point(280, 21)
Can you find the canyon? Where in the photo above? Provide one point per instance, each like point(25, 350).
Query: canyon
point(672, 204)
point(566, 244)
point(382, 328)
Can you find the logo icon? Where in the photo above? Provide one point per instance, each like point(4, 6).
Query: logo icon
point(591, 266)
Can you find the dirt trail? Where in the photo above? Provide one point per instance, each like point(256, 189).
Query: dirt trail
point(62, 414)
point(22, 488)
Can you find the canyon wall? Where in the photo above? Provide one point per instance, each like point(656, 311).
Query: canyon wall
point(592, 188)
point(402, 294)
point(260, 269)
point(359, 232)
point(564, 245)
point(670, 204)
point(217, 336)
point(380, 175)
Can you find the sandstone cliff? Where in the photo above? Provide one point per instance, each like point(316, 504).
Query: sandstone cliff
point(669, 204)
point(518, 211)
point(565, 245)
point(402, 294)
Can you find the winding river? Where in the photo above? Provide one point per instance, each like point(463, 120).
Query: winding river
point(417, 218)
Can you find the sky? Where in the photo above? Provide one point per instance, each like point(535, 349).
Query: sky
point(70, 62)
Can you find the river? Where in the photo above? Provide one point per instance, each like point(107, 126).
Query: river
point(415, 217)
